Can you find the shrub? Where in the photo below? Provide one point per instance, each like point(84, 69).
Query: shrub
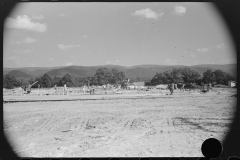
point(220, 86)
point(192, 86)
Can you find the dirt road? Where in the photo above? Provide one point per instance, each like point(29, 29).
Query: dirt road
point(171, 126)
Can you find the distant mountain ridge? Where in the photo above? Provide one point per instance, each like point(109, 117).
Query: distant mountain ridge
point(141, 71)
point(19, 74)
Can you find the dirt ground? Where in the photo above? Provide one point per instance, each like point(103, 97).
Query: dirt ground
point(152, 125)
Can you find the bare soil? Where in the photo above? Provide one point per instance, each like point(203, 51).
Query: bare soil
point(152, 125)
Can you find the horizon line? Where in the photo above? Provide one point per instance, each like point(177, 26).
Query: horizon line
point(122, 65)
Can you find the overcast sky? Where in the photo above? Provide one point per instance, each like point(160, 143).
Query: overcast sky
point(127, 34)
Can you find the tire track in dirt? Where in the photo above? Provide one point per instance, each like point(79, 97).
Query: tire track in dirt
point(20, 124)
point(48, 123)
point(54, 141)
point(132, 128)
point(72, 135)
point(137, 127)
point(43, 123)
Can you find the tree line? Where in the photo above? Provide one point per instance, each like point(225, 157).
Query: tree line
point(101, 77)
point(113, 76)
point(188, 76)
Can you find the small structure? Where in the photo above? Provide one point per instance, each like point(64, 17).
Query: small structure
point(232, 83)
point(131, 86)
point(162, 86)
point(139, 84)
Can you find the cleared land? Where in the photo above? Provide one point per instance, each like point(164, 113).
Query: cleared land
point(124, 125)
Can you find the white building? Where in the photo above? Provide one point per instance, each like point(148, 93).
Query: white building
point(136, 85)
point(162, 86)
point(232, 83)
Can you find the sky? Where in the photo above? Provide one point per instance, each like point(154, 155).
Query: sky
point(126, 34)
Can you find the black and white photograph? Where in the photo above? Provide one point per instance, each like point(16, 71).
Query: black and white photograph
point(117, 79)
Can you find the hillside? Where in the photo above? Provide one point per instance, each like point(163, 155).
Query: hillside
point(33, 71)
point(19, 74)
point(72, 70)
point(229, 68)
point(141, 71)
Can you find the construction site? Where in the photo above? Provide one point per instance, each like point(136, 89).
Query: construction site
point(144, 122)
point(119, 79)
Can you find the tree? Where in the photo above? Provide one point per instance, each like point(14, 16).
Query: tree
point(23, 82)
point(90, 81)
point(199, 81)
point(176, 76)
point(169, 77)
point(185, 75)
point(56, 80)
point(10, 82)
point(46, 81)
point(102, 76)
point(105, 75)
point(68, 80)
point(31, 80)
point(116, 76)
point(159, 78)
point(208, 77)
point(190, 76)
point(80, 81)
point(221, 77)
point(228, 77)
point(172, 76)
